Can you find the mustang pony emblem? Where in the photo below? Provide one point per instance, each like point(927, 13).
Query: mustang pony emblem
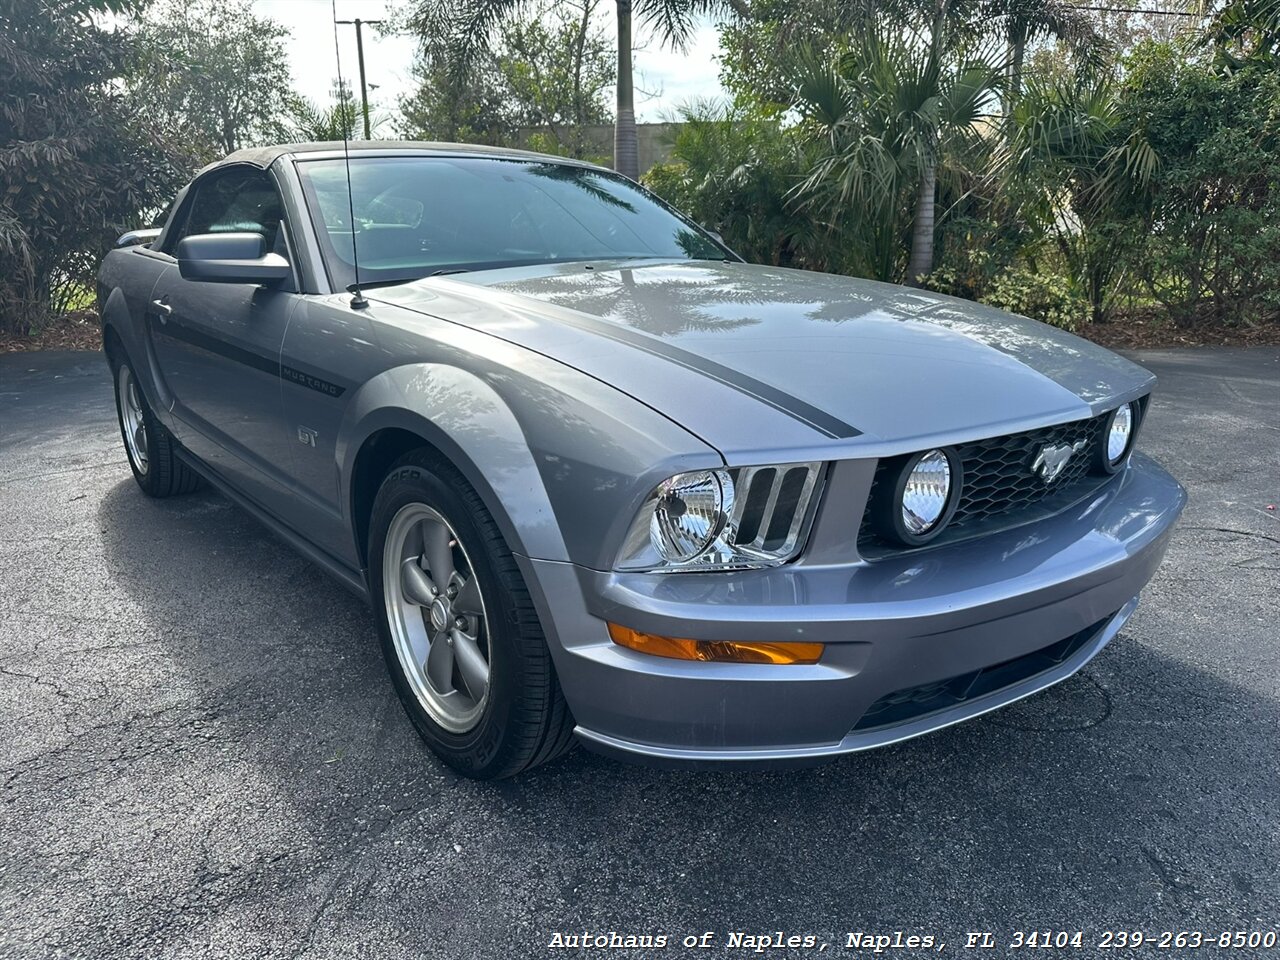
point(1050, 461)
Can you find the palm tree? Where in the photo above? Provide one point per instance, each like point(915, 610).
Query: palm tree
point(890, 110)
point(307, 121)
point(463, 30)
point(1023, 22)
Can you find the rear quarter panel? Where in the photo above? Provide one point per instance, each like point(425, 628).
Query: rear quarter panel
point(126, 282)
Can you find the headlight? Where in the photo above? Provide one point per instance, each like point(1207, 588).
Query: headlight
point(917, 497)
point(723, 519)
point(1119, 435)
point(691, 510)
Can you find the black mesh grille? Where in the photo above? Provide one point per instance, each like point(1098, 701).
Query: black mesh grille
point(912, 702)
point(999, 488)
point(997, 472)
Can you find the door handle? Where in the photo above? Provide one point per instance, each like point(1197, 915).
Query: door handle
point(162, 309)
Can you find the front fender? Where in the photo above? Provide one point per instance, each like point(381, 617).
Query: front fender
point(465, 419)
point(561, 460)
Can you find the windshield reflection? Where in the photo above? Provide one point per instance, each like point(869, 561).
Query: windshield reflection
point(415, 216)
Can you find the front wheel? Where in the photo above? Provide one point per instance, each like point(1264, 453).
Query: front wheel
point(460, 635)
point(147, 443)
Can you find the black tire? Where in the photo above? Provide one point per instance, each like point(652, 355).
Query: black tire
point(524, 721)
point(162, 474)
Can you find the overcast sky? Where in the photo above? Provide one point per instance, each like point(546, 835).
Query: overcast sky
point(673, 78)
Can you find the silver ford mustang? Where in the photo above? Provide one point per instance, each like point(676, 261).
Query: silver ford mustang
point(599, 478)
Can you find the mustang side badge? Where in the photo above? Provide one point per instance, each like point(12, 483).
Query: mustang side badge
point(1051, 460)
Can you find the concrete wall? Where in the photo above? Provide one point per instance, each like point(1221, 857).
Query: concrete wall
point(654, 140)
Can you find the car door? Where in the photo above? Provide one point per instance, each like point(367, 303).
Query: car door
point(218, 344)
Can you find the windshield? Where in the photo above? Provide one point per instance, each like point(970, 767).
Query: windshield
point(415, 216)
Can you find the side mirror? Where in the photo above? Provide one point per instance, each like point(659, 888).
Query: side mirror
point(230, 258)
point(135, 238)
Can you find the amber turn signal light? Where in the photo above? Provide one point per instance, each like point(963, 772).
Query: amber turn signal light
point(720, 651)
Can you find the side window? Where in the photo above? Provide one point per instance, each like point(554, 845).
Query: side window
point(234, 202)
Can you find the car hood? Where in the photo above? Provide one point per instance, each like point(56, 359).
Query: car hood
point(846, 357)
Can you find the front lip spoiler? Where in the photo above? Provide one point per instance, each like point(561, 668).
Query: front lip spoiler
point(684, 757)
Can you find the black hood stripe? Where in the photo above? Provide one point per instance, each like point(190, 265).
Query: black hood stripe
point(779, 400)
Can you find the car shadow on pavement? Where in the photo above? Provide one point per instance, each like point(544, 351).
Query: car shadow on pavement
point(266, 779)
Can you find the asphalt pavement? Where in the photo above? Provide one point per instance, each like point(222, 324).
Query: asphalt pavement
point(201, 754)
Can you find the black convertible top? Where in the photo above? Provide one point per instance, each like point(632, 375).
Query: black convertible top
point(265, 156)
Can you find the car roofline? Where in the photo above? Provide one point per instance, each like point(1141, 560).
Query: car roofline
point(264, 157)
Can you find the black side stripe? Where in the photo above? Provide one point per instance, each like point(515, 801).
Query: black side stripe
point(779, 400)
point(294, 375)
point(250, 358)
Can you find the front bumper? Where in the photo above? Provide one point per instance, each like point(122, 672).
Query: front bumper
point(914, 642)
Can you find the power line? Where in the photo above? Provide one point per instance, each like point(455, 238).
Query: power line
point(1159, 13)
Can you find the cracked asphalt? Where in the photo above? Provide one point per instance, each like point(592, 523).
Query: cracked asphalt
point(201, 755)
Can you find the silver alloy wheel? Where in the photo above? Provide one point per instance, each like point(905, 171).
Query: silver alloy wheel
point(131, 418)
point(437, 617)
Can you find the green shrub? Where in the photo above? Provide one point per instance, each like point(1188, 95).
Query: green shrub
point(1213, 248)
point(732, 170)
point(975, 252)
point(79, 164)
point(543, 142)
point(1042, 296)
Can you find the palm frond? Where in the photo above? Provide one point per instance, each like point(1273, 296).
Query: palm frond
point(673, 20)
point(820, 92)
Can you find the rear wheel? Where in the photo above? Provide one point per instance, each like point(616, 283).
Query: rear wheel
point(147, 443)
point(459, 632)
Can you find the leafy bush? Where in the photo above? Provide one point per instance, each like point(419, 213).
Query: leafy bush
point(1042, 296)
point(581, 149)
point(733, 170)
point(77, 164)
point(976, 249)
point(1214, 240)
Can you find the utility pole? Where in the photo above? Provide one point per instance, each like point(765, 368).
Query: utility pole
point(364, 89)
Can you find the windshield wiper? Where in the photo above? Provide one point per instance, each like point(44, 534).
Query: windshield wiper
point(395, 281)
point(381, 282)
